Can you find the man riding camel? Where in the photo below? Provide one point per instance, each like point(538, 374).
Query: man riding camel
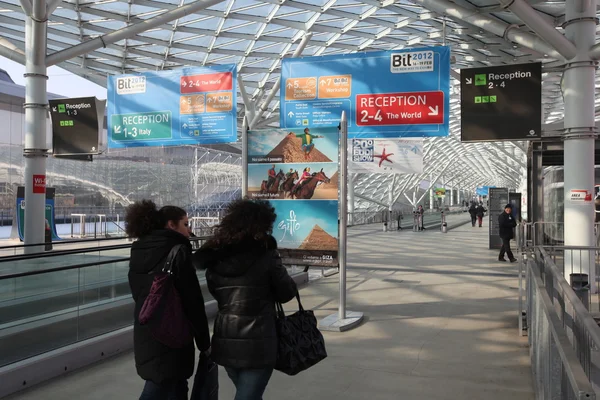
point(307, 141)
point(272, 175)
point(305, 175)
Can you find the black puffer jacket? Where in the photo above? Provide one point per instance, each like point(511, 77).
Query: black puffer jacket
point(153, 360)
point(246, 280)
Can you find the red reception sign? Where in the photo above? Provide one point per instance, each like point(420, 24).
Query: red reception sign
point(420, 108)
point(39, 184)
point(206, 82)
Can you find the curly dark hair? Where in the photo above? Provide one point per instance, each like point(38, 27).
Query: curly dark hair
point(143, 217)
point(244, 220)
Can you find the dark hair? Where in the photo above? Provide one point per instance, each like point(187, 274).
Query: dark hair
point(143, 217)
point(244, 220)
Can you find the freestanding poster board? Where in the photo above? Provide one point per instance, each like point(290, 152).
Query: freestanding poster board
point(20, 214)
point(498, 198)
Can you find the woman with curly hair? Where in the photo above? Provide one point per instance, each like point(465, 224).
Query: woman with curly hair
point(165, 369)
point(246, 277)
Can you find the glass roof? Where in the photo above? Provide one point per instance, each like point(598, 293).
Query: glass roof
point(257, 34)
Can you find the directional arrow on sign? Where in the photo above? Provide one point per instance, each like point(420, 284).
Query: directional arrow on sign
point(469, 81)
point(289, 85)
point(323, 82)
point(53, 109)
point(184, 84)
point(434, 110)
point(117, 129)
point(185, 126)
point(290, 114)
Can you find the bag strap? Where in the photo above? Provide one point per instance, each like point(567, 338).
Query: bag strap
point(170, 261)
point(281, 312)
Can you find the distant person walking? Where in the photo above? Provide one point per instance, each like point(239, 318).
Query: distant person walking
point(480, 213)
point(506, 223)
point(420, 213)
point(473, 212)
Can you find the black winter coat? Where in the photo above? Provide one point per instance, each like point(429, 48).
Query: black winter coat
point(481, 211)
point(506, 223)
point(153, 360)
point(246, 280)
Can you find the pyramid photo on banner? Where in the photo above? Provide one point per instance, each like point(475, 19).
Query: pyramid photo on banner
point(296, 170)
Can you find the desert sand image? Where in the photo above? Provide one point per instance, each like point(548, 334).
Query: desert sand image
point(318, 239)
point(328, 191)
point(290, 148)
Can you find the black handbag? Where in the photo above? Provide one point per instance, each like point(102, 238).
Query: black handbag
point(300, 343)
point(206, 381)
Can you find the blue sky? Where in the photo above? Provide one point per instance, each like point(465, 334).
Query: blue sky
point(59, 82)
point(261, 142)
point(308, 214)
point(259, 172)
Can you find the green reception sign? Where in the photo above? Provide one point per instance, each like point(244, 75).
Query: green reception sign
point(142, 126)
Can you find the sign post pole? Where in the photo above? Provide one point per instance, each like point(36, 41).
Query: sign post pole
point(245, 157)
point(343, 320)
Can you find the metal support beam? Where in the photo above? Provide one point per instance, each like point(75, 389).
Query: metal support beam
point(579, 138)
point(36, 112)
point(275, 89)
point(129, 31)
point(365, 198)
point(539, 25)
point(490, 24)
point(444, 168)
point(249, 105)
point(12, 52)
point(595, 52)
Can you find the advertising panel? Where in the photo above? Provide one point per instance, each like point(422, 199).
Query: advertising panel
point(386, 156)
point(497, 199)
point(296, 170)
point(169, 108)
point(389, 94)
point(49, 212)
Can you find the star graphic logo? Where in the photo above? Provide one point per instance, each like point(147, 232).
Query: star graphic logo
point(384, 157)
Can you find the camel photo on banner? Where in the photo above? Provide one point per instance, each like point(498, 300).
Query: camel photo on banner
point(297, 171)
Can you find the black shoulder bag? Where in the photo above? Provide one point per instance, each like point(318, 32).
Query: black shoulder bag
point(300, 343)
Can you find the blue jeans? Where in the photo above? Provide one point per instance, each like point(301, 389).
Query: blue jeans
point(250, 384)
point(170, 390)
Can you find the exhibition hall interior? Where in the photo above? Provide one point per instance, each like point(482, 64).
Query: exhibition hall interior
point(292, 199)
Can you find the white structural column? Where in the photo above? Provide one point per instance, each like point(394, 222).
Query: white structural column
point(431, 197)
point(36, 112)
point(579, 135)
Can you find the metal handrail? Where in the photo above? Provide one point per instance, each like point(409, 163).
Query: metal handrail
point(20, 257)
point(59, 269)
point(66, 241)
point(566, 290)
point(573, 369)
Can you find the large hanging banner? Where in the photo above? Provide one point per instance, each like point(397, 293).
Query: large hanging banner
point(389, 94)
point(386, 156)
point(169, 108)
point(297, 171)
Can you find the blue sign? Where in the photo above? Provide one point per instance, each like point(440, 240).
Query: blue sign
point(388, 94)
point(170, 108)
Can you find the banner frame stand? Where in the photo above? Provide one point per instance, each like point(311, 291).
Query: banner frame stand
point(343, 320)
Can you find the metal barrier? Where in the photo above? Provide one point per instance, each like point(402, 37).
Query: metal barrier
point(556, 371)
point(563, 305)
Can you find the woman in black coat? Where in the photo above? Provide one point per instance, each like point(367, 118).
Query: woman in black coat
point(165, 370)
point(246, 277)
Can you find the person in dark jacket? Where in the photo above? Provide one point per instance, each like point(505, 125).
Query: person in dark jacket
point(246, 277)
point(480, 213)
point(473, 212)
point(165, 370)
point(506, 224)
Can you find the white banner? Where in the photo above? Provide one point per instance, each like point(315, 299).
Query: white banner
point(386, 156)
